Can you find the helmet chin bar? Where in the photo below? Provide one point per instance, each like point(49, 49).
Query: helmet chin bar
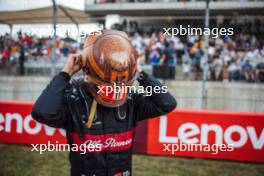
point(111, 103)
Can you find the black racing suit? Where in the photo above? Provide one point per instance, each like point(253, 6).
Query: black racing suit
point(64, 105)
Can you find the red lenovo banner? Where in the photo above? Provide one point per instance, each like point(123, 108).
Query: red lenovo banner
point(208, 134)
point(17, 126)
point(204, 134)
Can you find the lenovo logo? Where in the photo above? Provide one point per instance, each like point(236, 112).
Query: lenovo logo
point(14, 122)
point(192, 133)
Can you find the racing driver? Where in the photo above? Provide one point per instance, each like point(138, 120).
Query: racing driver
point(94, 111)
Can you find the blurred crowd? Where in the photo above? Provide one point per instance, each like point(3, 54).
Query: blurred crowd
point(15, 51)
point(234, 58)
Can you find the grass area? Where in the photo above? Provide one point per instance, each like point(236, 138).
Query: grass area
point(19, 160)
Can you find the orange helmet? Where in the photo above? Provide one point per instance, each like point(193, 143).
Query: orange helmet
point(110, 62)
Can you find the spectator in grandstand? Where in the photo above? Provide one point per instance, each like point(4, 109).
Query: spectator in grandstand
point(234, 70)
point(154, 56)
point(248, 71)
point(6, 55)
point(216, 67)
point(65, 50)
point(196, 55)
point(21, 60)
point(179, 48)
point(138, 44)
point(260, 71)
point(186, 69)
point(169, 55)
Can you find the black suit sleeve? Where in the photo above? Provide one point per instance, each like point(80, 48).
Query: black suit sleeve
point(50, 107)
point(157, 103)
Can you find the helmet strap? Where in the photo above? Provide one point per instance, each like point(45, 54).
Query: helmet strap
point(91, 115)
